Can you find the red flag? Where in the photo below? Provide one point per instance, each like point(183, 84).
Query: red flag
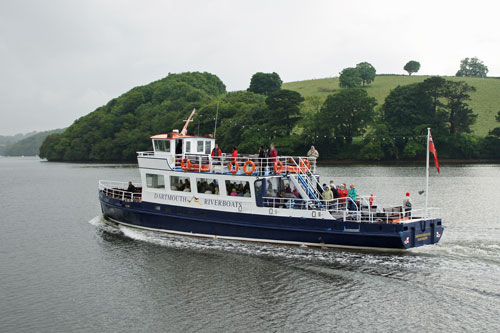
point(432, 149)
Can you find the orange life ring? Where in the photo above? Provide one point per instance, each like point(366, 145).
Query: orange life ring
point(247, 163)
point(278, 167)
point(185, 166)
point(235, 169)
point(306, 163)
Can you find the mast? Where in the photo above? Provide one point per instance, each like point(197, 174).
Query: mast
point(427, 171)
point(216, 114)
point(184, 129)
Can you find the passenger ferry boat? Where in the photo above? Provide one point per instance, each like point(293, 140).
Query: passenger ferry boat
point(186, 191)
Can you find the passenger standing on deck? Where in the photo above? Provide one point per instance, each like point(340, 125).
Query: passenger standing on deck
point(216, 152)
point(313, 154)
point(235, 154)
point(327, 194)
point(342, 195)
point(407, 204)
point(273, 154)
point(334, 189)
point(131, 187)
point(352, 197)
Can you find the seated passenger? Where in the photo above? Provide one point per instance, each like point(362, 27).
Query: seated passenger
point(234, 193)
point(247, 194)
point(131, 187)
point(187, 188)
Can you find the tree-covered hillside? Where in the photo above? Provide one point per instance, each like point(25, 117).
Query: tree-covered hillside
point(30, 146)
point(344, 123)
point(485, 101)
point(115, 131)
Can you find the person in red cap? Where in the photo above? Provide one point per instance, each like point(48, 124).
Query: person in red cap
point(407, 204)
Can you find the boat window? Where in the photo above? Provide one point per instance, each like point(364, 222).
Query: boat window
point(200, 147)
point(155, 181)
point(272, 186)
point(207, 186)
point(207, 147)
point(259, 189)
point(238, 188)
point(162, 145)
point(188, 146)
point(180, 184)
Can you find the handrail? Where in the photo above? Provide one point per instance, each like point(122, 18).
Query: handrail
point(338, 208)
point(118, 190)
point(264, 166)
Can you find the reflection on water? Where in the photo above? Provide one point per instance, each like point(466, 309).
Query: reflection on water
point(61, 273)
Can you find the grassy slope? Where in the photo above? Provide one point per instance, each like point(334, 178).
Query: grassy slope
point(485, 101)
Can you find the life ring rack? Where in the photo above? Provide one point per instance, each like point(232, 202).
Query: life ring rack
point(278, 167)
point(234, 164)
point(305, 163)
point(186, 164)
point(247, 163)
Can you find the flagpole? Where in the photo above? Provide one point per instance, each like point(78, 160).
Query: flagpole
point(427, 171)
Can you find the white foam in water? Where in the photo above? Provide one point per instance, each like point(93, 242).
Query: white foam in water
point(338, 256)
point(97, 221)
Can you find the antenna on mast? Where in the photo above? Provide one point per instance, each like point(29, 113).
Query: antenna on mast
point(184, 129)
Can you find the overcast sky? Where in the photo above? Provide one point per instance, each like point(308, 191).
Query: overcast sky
point(60, 60)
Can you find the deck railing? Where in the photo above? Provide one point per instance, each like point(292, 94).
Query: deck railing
point(118, 190)
point(362, 212)
point(241, 165)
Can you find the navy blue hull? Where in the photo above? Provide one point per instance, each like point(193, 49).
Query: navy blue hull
point(268, 228)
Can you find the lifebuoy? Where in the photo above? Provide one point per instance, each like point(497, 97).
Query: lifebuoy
point(278, 167)
point(236, 167)
point(247, 163)
point(306, 163)
point(186, 166)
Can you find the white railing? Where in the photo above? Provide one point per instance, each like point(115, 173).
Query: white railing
point(243, 164)
point(339, 208)
point(119, 190)
point(145, 153)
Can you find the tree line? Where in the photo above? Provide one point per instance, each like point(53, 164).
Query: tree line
point(347, 124)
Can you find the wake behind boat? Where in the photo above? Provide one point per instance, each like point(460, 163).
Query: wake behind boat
point(185, 190)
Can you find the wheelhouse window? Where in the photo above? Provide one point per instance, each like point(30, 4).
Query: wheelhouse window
point(162, 145)
point(155, 181)
point(238, 188)
point(207, 147)
point(181, 184)
point(207, 186)
point(200, 147)
point(188, 146)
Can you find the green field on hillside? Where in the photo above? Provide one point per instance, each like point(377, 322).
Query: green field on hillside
point(485, 101)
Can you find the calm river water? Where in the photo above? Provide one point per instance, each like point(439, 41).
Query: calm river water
point(62, 270)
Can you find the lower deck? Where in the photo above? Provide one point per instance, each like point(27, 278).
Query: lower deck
point(269, 228)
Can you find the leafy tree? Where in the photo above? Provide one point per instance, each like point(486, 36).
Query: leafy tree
point(265, 83)
point(348, 112)
point(407, 111)
point(435, 86)
point(472, 67)
point(461, 116)
point(378, 143)
point(367, 72)
point(496, 130)
point(284, 109)
point(350, 78)
point(412, 66)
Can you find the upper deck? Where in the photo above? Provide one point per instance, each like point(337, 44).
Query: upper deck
point(249, 165)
